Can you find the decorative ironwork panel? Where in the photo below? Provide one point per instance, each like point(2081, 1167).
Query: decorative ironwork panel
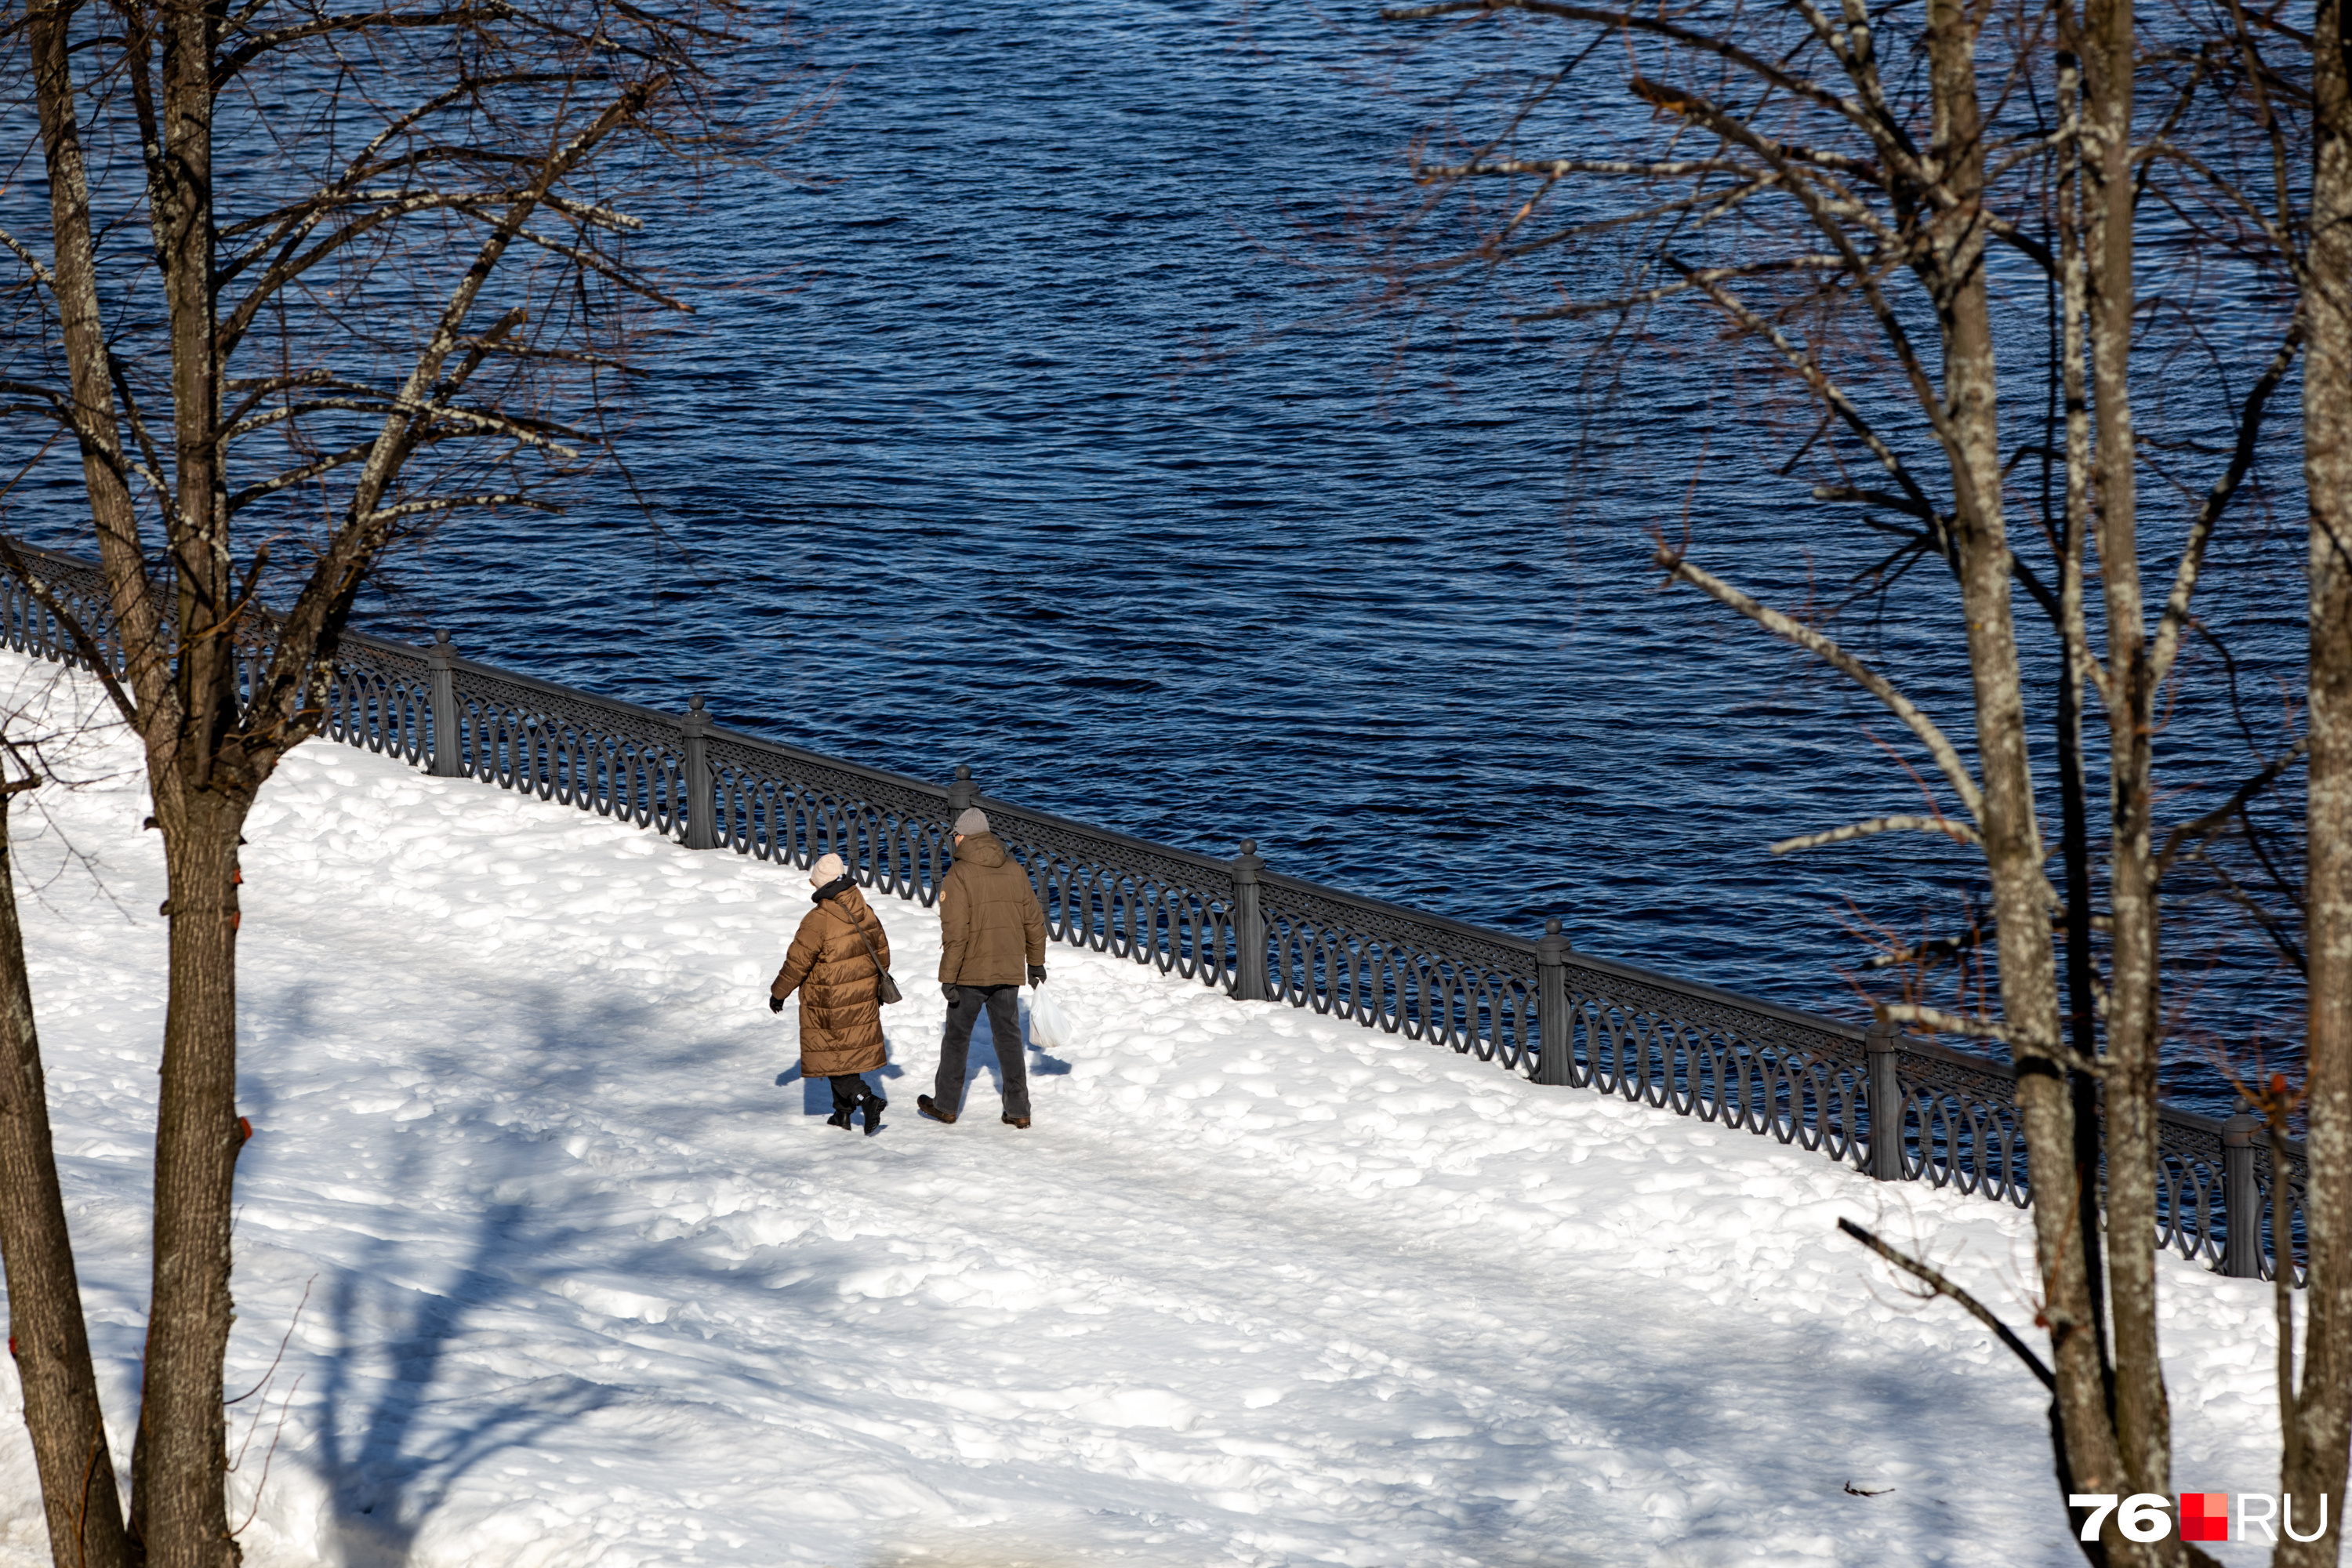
point(380, 698)
point(1706, 1008)
point(778, 806)
point(2191, 1209)
point(1422, 979)
point(1964, 1142)
point(1696, 1058)
point(608, 758)
point(1960, 1126)
point(1328, 909)
point(1118, 895)
point(80, 589)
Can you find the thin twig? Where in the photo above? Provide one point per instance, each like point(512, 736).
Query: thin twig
point(283, 1411)
point(282, 1343)
point(2205, 826)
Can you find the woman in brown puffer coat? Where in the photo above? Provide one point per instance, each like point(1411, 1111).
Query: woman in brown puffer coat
point(835, 963)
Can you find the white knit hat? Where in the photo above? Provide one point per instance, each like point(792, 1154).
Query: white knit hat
point(828, 868)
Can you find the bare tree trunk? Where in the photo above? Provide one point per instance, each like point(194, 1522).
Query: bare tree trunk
point(181, 1454)
point(2320, 1426)
point(2075, 657)
point(2012, 838)
point(74, 286)
point(2142, 1414)
point(201, 800)
point(46, 1325)
point(2083, 1030)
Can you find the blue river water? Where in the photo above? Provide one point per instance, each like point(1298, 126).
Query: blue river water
point(1033, 434)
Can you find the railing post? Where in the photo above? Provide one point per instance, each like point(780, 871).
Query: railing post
point(1883, 1092)
point(448, 752)
point(1551, 1006)
point(1249, 927)
point(962, 794)
point(2241, 1196)
point(700, 792)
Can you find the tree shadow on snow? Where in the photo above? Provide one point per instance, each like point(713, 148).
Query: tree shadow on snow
point(419, 1393)
point(448, 1350)
point(385, 1483)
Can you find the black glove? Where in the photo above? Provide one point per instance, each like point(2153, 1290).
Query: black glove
point(1036, 974)
point(775, 1003)
point(949, 989)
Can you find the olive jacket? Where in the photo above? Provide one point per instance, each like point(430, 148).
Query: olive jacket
point(841, 1010)
point(990, 928)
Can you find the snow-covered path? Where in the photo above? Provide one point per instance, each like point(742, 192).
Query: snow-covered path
point(590, 1281)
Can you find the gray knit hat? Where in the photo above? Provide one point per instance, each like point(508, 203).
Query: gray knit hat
point(973, 820)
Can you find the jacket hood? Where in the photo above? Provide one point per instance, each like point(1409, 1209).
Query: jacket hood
point(844, 883)
point(983, 849)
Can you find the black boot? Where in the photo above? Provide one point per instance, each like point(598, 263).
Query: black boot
point(875, 1105)
point(840, 1118)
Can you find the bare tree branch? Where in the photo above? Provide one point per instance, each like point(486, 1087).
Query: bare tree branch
point(1941, 1284)
point(1946, 758)
point(1958, 831)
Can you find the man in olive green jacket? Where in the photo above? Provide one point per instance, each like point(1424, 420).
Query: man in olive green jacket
point(991, 931)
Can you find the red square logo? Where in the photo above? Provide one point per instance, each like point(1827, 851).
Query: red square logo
point(2204, 1516)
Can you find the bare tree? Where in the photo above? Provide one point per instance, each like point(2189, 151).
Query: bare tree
point(308, 284)
point(2315, 1407)
point(1899, 216)
point(47, 1329)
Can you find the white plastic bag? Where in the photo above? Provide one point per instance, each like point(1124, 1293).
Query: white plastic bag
point(1051, 1027)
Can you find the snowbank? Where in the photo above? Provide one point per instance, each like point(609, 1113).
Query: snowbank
point(590, 1281)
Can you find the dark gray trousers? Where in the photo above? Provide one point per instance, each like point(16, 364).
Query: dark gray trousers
point(1003, 1004)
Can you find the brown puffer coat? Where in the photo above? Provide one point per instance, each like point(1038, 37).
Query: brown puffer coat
point(990, 928)
point(841, 1013)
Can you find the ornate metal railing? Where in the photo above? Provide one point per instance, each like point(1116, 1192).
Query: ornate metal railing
point(1530, 1005)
